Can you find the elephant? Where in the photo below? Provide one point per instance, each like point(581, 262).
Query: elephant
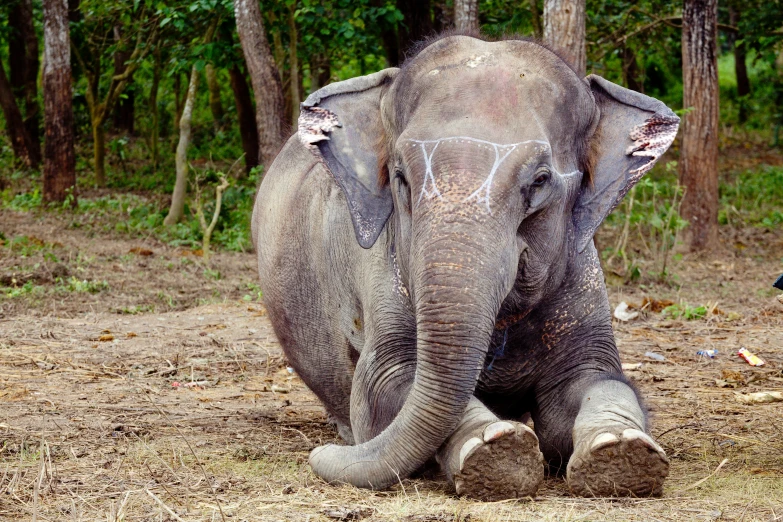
point(425, 251)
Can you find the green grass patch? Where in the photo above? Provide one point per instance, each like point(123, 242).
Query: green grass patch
point(27, 289)
point(80, 286)
point(753, 197)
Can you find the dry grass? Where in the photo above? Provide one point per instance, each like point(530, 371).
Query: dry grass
point(94, 430)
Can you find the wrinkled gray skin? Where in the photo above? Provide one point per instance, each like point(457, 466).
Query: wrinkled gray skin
point(467, 289)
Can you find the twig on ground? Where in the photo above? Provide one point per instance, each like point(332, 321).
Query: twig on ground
point(164, 506)
point(38, 480)
point(705, 479)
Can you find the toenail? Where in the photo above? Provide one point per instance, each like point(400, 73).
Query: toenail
point(603, 440)
point(633, 434)
point(497, 430)
point(467, 449)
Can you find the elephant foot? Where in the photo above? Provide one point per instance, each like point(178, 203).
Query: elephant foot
point(504, 462)
point(630, 464)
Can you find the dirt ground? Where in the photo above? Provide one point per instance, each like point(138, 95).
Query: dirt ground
point(139, 382)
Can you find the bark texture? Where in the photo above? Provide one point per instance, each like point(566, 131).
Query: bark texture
point(466, 15)
point(699, 150)
point(181, 159)
point(246, 117)
point(23, 60)
point(14, 124)
point(59, 176)
point(264, 77)
point(153, 108)
point(564, 30)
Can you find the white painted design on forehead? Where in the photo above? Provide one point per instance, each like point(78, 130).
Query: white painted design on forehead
point(429, 177)
point(481, 194)
point(430, 189)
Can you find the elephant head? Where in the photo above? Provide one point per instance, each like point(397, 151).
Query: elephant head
point(489, 165)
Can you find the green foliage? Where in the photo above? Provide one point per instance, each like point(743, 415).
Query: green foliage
point(255, 293)
point(26, 246)
point(80, 286)
point(21, 202)
point(651, 213)
point(683, 311)
point(629, 42)
point(136, 309)
point(27, 289)
point(753, 198)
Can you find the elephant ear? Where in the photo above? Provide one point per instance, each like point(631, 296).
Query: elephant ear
point(341, 124)
point(633, 131)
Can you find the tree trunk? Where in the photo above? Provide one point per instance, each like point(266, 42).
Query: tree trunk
point(154, 113)
point(535, 15)
point(631, 70)
point(246, 116)
point(123, 116)
point(320, 71)
point(59, 176)
point(265, 78)
point(699, 149)
point(23, 60)
point(178, 100)
point(181, 184)
point(389, 41)
point(416, 25)
point(442, 16)
point(215, 104)
point(564, 31)
point(293, 61)
point(466, 15)
point(740, 68)
point(125, 113)
point(14, 124)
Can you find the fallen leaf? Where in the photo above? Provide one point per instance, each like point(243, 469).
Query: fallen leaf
point(655, 305)
point(733, 376)
point(141, 251)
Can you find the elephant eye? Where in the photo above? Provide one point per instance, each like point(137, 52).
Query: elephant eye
point(400, 177)
point(542, 178)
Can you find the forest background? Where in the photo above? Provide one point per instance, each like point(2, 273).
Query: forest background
point(132, 63)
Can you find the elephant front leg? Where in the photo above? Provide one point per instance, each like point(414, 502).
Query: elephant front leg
point(485, 457)
point(613, 456)
point(492, 459)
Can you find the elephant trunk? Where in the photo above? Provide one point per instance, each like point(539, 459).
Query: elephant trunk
point(457, 287)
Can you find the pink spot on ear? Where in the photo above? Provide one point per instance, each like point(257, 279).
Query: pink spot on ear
point(314, 124)
point(651, 139)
